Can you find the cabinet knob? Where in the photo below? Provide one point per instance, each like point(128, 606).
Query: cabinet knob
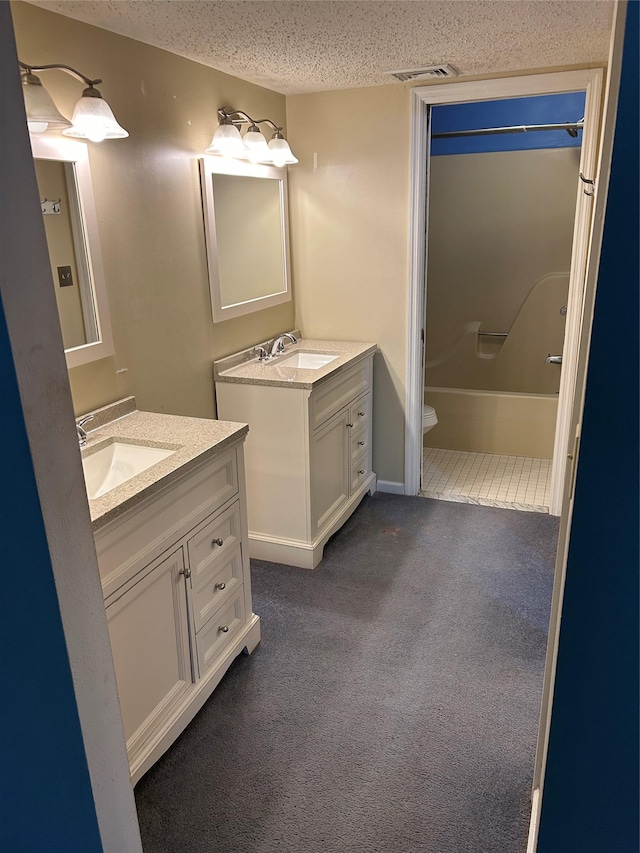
point(220, 586)
point(349, 425)
point(361, 471)
point(186, 572)
point(217, 541)
point(360, 414)
point(224, 629)
point(361, 443)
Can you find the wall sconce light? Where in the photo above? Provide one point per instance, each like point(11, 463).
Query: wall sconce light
point(92, 116)
point(228, 141)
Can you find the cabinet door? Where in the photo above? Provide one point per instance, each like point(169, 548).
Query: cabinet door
point(150, 645)
point(330, 470)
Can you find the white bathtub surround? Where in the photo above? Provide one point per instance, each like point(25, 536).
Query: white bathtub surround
point(496, 422)
point(512, 482)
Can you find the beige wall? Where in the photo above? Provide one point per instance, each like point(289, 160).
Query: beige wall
point(499, 223)
point(349, 237)
point(348, 220)
point(147, 195)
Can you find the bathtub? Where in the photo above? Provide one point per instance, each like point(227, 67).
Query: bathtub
point(504, 422)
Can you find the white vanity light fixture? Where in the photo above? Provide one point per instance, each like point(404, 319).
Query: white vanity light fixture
point(228, 142)
point(280, 151)
point(257, 147)
point(92, 116)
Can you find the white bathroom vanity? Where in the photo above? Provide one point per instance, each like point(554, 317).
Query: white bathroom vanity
point(171, 541)
point(308, 452)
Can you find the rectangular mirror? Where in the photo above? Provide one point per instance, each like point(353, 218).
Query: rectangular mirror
point(247, 236)
point(66, 197)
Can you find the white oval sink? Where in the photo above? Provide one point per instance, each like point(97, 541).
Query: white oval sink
point(116, 463)
point(306, 360)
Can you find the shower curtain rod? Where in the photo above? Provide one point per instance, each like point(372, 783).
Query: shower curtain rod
point(572, 129)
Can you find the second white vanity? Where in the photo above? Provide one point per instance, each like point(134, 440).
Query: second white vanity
point(171, 541)
point(308, 453)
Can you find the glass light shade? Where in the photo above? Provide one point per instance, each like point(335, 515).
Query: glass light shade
point(92, 119)
point(280, 152)
point(42, 113)
point(257, 147)
point(227, 141)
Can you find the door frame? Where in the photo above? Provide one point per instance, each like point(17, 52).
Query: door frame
point(423, 97)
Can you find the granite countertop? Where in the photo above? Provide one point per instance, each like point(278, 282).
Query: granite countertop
point(191, 439)
point(244, 367)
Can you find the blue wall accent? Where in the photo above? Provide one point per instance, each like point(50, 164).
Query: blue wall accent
point(540, 109)
point(591, 793)
point(45, 790)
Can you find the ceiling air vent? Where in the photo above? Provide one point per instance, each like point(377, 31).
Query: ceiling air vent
point(427, 73)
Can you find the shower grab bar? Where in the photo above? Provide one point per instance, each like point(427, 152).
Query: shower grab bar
point(494, 334)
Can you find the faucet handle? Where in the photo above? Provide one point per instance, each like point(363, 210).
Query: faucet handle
point(262, 353)
point(84, 420)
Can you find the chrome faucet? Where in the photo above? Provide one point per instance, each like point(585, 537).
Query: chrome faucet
point(278, 344)
point(82, 435)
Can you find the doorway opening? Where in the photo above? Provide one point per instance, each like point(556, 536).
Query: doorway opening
point(588, 82)
point(502, 192)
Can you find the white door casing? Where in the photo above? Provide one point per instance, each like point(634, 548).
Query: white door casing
point(587, 80)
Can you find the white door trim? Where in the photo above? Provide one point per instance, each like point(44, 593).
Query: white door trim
point(591, 280)
point(588, 80)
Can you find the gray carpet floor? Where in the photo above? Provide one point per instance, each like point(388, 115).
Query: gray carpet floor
point(392, 705)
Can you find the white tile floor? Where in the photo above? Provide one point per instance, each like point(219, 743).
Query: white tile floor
point(515, 482)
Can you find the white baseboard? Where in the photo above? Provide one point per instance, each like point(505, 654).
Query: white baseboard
point(391, 486)
point(532, 841)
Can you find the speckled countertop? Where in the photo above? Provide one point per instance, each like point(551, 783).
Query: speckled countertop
point(244, 367)
point(191, 439)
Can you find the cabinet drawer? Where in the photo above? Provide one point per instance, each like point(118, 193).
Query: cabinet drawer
point(132, 540)
point(360, 411)
point(360, 441)
point(339, 392)
point(360, 470)
point(216, 585)
point(212, 639)
point(212, 543)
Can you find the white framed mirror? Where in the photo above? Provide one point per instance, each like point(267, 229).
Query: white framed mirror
point(71, 226)
point(246, 223)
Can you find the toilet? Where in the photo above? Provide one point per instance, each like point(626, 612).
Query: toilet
point(429, 418)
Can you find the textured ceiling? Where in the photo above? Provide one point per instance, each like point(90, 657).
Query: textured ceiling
point(294, 47)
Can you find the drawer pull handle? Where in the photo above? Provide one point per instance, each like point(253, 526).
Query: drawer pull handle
point(220, 586)
point(217, 541)
point(350, 425)
point(361, 443)
point(224, 629)
point(361, 414)
point(186, 572)
point(361, 471)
